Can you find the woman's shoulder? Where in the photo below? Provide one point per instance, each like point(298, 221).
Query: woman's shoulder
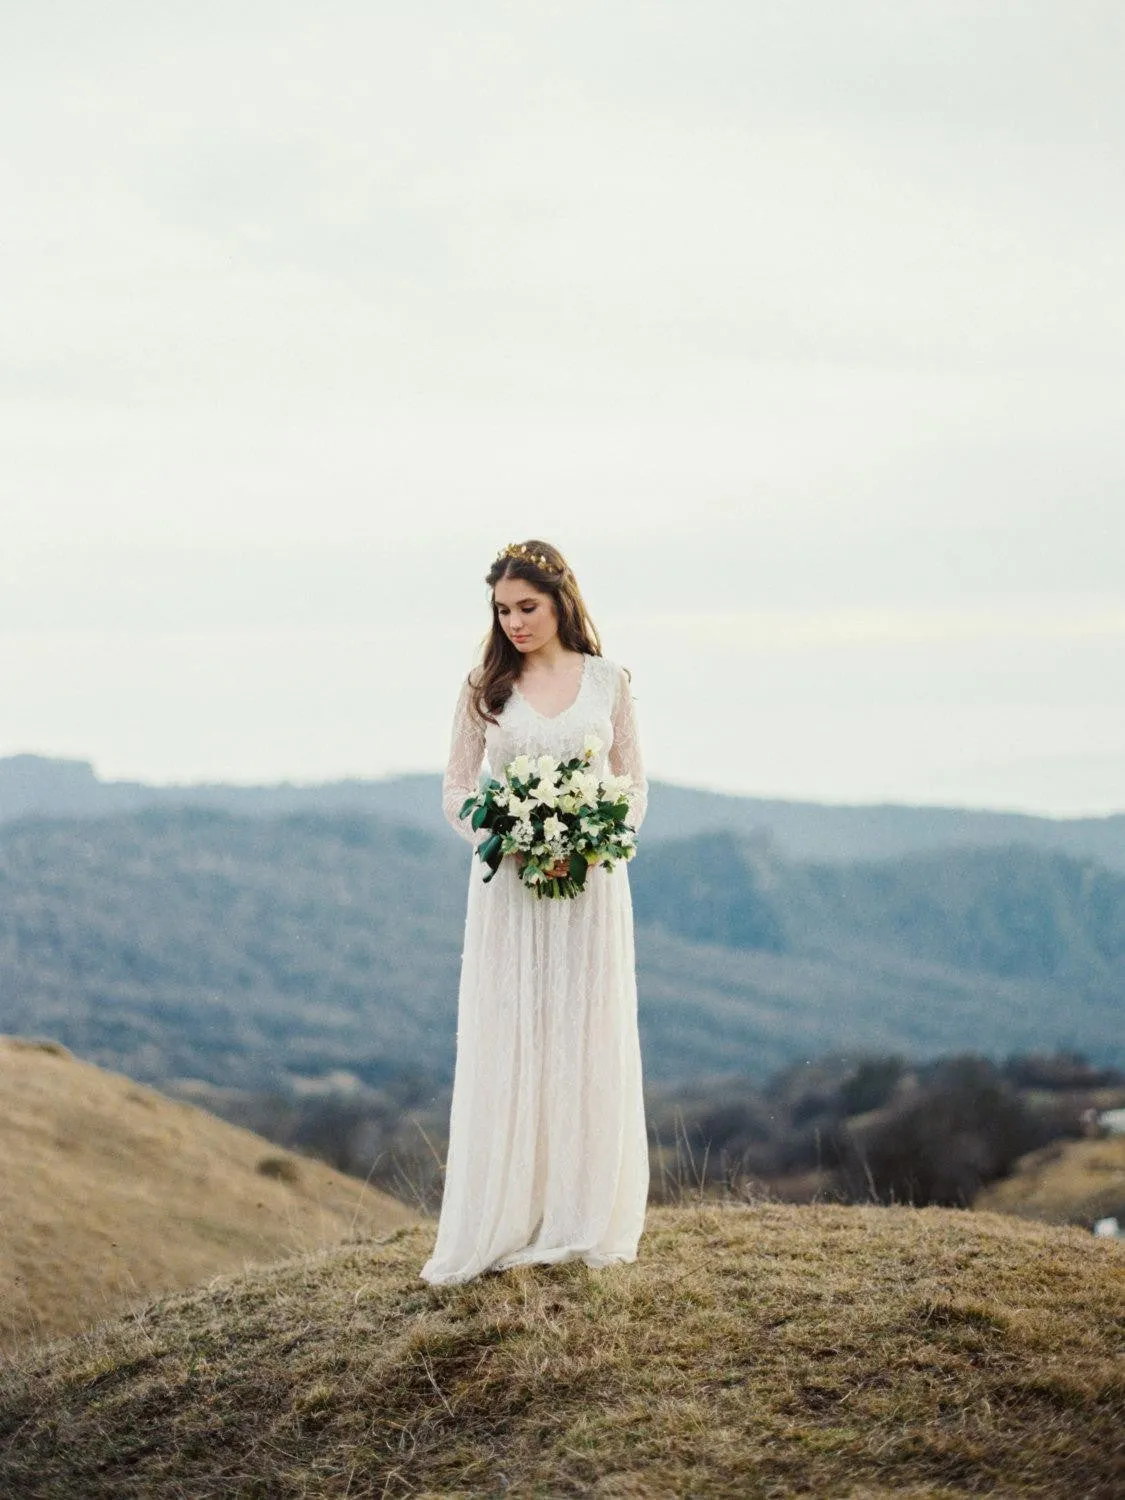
point(609, 672)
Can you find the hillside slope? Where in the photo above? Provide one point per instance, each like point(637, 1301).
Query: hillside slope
point(109, 1192)
point(750, 1351)
point(1067, 1182)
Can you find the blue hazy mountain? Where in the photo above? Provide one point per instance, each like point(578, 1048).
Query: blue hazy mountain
point(178, 942)
point(818, 831)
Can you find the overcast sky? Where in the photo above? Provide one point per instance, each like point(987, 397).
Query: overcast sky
point(798, 326)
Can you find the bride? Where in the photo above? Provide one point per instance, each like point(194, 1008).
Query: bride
point(548, 1156)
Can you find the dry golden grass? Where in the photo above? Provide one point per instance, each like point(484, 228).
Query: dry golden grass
point(110, 1192)
point(752, 1350)
point(1068, 1182)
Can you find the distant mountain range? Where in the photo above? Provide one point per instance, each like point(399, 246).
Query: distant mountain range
point(177, 942)
point(32, 785)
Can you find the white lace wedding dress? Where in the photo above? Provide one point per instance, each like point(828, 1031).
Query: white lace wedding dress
point(548, 1156)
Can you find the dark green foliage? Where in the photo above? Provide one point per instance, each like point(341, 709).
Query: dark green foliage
point(965, 1127)
point(871, 1085)
point(1057, 1070)
point(942, 1131)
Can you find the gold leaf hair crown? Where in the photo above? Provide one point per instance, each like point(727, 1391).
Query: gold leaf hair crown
point(522, 554)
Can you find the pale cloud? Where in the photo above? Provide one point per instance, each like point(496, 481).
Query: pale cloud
point(799, 327)
point(749, 632)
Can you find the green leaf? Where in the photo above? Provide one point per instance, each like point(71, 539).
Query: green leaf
point(578, 868)
point(490, 851)
point(480, 816)
point(468, 802)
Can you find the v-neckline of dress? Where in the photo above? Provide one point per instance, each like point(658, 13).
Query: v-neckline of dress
point(550, 718)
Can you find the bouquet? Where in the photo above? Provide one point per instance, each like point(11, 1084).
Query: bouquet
point(559, 817)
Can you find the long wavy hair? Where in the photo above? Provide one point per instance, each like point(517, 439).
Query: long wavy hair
point(543, 566)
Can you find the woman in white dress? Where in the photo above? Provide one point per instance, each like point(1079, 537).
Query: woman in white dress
point(548, 1155)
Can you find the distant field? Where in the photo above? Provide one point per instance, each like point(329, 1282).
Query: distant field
point(1065, 1182)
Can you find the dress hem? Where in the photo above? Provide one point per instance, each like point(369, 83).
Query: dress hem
point(593, 1259)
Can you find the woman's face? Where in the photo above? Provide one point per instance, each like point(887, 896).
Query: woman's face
point(527, 616)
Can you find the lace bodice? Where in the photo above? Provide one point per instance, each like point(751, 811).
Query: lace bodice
point(603, 705)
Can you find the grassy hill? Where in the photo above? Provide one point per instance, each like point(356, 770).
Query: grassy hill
point(244, 951)
point(1067, 1182)
point(109, 1192)
point(751, 1350)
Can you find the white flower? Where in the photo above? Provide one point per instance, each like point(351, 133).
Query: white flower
point(524, 835)
point(520, 768)
point(590, 746)
point(585, 783)
point(546, 794)
point(501, 796)
point(521, 807)
point(614, 787)
point(553, 828)
point(547, 768)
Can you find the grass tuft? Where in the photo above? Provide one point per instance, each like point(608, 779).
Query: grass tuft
point(283, 1168)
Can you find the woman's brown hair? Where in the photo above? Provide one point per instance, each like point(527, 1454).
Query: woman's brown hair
point(543, 566)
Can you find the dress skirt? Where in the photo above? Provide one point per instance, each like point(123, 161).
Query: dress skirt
point(548, 1153)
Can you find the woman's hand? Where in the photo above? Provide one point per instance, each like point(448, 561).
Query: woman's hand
point(560, 870)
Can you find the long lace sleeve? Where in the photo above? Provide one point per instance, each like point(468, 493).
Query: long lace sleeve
point(462, 770)
point(625, 756)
